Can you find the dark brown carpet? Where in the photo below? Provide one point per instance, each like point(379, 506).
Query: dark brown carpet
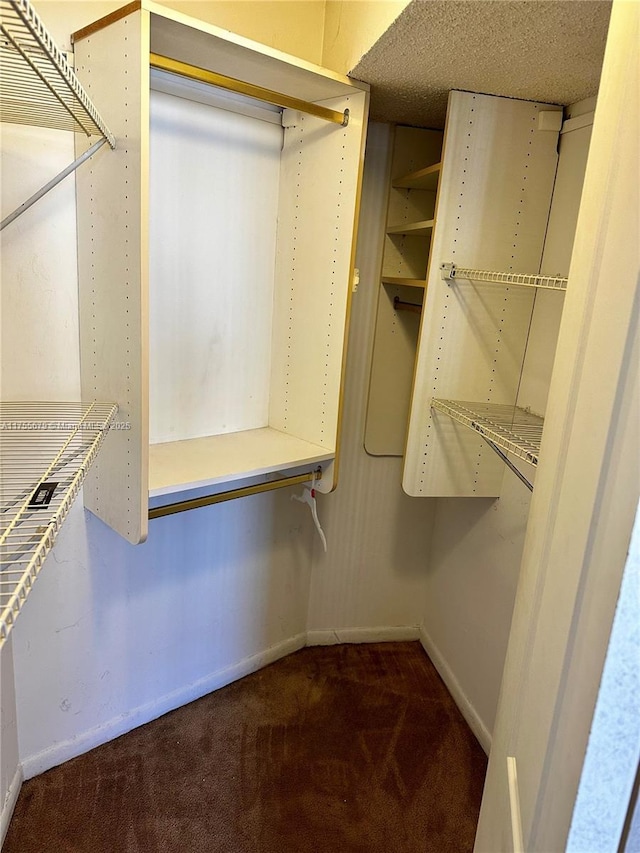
point(341, 749)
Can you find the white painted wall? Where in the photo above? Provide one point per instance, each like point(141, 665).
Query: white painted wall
point(9, 767)
point(293, 27)
point(373, 574)
point(352, 27)
point(287, 25)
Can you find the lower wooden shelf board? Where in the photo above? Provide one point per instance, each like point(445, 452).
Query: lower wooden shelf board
point(422, 227)
point(405, 282)
point(178, 466)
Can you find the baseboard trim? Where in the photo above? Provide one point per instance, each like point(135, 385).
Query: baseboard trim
point(391, 633)
point(463, 702)
point(57, 754)
point(10, 801)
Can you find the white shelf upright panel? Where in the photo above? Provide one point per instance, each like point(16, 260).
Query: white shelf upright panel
point(46, 450)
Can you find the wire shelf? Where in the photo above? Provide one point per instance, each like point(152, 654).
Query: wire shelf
point(451, 272)
point(511, 428)
point(46, 450)
point(38, 85)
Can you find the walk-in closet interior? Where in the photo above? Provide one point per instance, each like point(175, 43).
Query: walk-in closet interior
point(319, 328)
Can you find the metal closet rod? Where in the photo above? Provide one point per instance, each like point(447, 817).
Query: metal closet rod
point(232, 494)
point(203, 75)
point(413, 307)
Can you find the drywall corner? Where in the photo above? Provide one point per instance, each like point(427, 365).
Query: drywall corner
point(465, 706)
point(352, 28)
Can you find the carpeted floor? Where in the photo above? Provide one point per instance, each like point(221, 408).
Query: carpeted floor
point(339, 749)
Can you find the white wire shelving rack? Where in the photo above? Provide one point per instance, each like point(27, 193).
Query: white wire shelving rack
point(451, 272)
point(508, 429)
point(39, 87)
point(46, 450)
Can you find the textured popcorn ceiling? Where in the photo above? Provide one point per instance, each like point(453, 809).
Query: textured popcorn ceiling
point(543, 50)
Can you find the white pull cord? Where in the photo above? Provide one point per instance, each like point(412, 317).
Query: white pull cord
point(308, 496)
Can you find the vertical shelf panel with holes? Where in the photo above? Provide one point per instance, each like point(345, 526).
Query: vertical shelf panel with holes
point(494, 196)
point(413, 183)
point(216, 257)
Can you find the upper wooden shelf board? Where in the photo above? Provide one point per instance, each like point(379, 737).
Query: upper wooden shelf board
point(451, 272)
point(510, 428)
point(425, 226)
point(39, 87)
point(189, 40)
point(422, 179)
point(45, 451)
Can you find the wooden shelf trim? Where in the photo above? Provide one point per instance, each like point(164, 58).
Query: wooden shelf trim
point(424, 226)
point(405, 282)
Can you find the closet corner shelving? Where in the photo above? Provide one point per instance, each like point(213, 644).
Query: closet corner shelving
point(39, 88)
point(46, 450)
point(471, 411)
point(414, 172)
point(239, 379)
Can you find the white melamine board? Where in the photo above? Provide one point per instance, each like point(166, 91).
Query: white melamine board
point(181, 465)
point(214, 178)
point(545, 324)
point(198, 43)
point(493, 204)
point(406, 257)
point(112, 264)
point(392, 367)
point(319, 187)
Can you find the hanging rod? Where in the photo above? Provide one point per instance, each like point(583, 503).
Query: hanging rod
point(399, 305)
point(52, 183)
point(451, 272)
point(203, 75)
point(232, 494)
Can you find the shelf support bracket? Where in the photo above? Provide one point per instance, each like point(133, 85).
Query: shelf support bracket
point(52, 183)
point(509, 463)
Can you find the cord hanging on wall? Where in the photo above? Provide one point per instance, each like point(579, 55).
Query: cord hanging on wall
point(308, 496)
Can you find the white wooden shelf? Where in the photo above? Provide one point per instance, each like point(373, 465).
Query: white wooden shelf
point(451, 272)
point(405, 282)
point(178, 466)
point(422, 179)
point(45, 451)
point(510, 428)
point(425, 226)
point(38, 85)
